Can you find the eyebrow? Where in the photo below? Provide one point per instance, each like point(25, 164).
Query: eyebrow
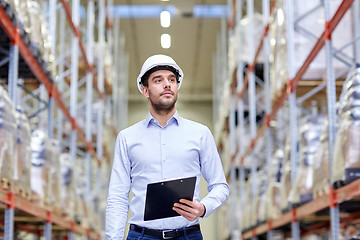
point(158, 76)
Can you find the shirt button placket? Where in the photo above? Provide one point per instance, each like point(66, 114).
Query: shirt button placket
point(162, 147)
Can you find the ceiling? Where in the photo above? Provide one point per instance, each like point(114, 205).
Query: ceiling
point(193, 43)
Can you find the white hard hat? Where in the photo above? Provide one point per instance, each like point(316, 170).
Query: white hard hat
point(158, 60)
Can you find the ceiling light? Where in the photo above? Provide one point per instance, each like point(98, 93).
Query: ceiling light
point(164, 0)
point(165, 40)
point(165, 19)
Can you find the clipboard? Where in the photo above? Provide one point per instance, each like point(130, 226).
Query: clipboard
point(161, 196)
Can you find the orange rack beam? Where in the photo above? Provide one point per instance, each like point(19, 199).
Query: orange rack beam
point(82, 49)
point(344, 6)
point(341, 195)
point(11, 32)
point(44, 213)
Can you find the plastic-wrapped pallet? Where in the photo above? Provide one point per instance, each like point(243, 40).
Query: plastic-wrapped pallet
point(274, 190)
point(346, 164)
point(278, 54)
point(261, 200)
point(302, 191)
point(55, 175)
point(40, 38)
point(251, 203)
point(246, 217)
point(22, 14)
point(321, 169)
point(80, 211)
point(7, 139)
point(286, 178)
point(306, 29)
point(67, 191)
point(22, 159)
point(41, 165)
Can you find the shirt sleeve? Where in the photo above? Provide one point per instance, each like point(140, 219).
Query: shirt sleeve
point(213, 172)
point(117, 205)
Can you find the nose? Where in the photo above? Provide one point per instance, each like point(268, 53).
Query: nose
point(166, 83)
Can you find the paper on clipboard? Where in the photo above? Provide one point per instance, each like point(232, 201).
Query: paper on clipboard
point(161, 196)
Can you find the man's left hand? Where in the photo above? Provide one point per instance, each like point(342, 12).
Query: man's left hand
point(190, 210)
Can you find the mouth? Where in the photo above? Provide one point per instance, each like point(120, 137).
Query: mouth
point(167, 93)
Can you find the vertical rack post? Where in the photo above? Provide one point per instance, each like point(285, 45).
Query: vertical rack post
point(13, 67)
point(331, 102)
point(116, 97)
point(74, 76)
point(9, 218)
point(252, 94)
point(268, 107)
point(240, 109)
point(100, 81)
point(61, 77)
point(232, 137)
point(110, 50)
point(123, 84)
point(89, 93)
point(52, 32)
point(116, 78)
point(48, 226)
point(356, 29)
point(295, 227)
point(12, 83)
point(70, 235)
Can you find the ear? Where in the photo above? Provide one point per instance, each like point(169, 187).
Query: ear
point(145, 91)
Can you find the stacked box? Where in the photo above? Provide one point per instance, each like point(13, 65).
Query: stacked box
point(67, 191)
point(7, 139)
point(302, 191)
point(285, 186)
point(54, 178)
point(34, 31)
point(346, 162)
point(261, 196)
point(321, 168)
point(274, 191)
point(22, 159)
point(40, 168)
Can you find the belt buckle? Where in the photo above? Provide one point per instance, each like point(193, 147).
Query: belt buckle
point(164, 232)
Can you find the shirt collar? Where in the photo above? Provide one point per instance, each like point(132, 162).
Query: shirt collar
point(175, 118)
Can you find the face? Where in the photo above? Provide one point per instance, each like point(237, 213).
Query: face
point(162, 90)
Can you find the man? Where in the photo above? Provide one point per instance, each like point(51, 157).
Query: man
point(163, 146)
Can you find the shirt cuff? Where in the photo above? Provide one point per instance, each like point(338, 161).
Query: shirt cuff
point(207, 208)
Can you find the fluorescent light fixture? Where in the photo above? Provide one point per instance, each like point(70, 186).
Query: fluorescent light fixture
point(165, 19)
point(165, 40)
point(164, 0)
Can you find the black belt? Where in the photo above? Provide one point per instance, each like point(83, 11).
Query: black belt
point(166, 234)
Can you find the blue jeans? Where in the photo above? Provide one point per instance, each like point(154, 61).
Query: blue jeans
point(140, 236)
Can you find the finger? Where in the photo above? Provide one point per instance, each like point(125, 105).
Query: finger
point(185, 214)
point(183, 207)
point(187, 202)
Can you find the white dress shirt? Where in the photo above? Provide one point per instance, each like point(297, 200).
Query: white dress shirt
point(147, 153)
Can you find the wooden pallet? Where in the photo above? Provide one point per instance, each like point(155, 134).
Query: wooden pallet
point(320, 192)
point(5, 184)
point(24, 194)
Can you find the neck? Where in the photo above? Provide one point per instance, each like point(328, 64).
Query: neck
point(162, 115)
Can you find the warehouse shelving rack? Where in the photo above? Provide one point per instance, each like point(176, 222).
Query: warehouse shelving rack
point(54, 87)
point(334, 198)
